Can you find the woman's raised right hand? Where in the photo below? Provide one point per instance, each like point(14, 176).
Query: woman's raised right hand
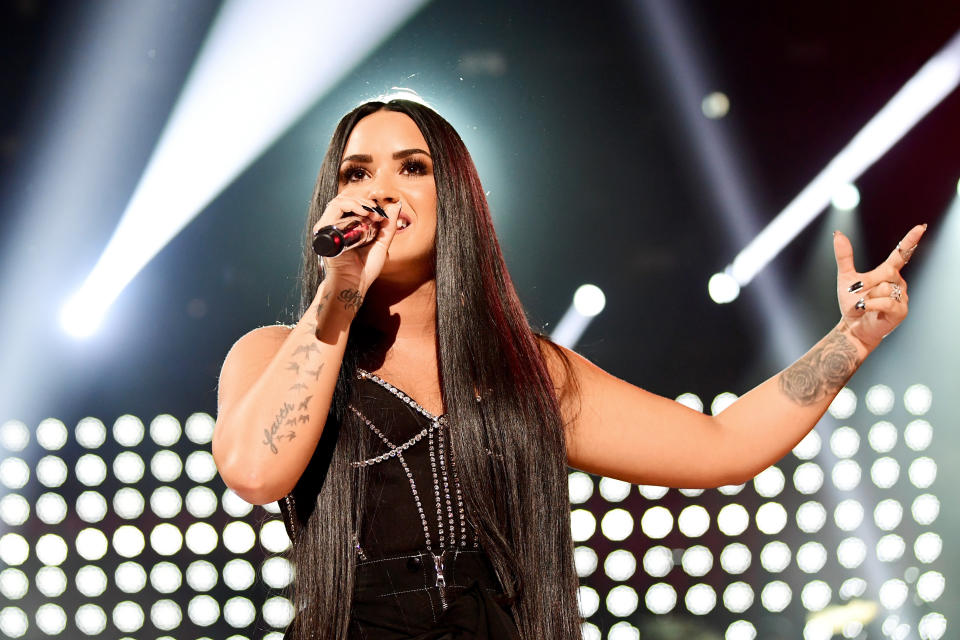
point(359, 267)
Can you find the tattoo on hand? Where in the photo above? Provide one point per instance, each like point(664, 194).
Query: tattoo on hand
point(350, 298)
point(821, 372)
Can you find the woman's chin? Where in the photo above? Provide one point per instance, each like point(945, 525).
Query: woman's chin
point(402, 266)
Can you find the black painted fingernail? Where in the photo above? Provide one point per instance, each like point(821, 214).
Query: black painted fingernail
point(371, 210)
point(380, 210)
point(861, 305)
point(856, 286)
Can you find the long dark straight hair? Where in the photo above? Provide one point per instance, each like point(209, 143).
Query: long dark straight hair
point(517, 498)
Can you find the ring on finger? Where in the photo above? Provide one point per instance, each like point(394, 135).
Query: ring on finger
point(896, 291)
point(861, 304)
point(905, 253)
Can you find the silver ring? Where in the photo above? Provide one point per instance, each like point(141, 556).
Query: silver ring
point(905, 253)
point(896, 292)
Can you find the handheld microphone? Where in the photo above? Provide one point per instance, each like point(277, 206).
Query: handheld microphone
point(347, 233)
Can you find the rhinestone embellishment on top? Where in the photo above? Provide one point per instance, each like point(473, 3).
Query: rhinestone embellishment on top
point(439, 469)
point(394, 449)
point(361, 374)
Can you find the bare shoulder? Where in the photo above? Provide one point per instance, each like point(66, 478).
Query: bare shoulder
point(260, 338)
point(585, 391)
point(247, 359)
point(567, 370)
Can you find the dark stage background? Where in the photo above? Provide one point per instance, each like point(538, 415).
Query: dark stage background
point(113, 521)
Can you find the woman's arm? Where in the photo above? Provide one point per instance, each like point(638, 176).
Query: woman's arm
point(276, 384)
point(275, 390)
point(619, 430)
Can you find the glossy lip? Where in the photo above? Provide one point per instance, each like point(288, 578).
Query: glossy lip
point(404, 216)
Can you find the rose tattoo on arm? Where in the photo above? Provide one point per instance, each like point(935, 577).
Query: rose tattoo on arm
point(821, 372)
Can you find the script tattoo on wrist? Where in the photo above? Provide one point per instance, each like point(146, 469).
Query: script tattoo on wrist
point(350, 298)
point(822, 372)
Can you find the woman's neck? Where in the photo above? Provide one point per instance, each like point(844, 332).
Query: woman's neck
point(399, 316)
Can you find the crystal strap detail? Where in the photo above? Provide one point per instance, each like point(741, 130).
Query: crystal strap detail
point(394, 449)
point(361, 374)
point(437, 424)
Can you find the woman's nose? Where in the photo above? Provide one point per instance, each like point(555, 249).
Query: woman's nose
point(383, 196)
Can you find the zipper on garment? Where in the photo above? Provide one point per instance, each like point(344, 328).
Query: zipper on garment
point(441, 579)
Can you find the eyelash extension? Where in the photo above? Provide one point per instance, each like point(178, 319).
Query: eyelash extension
point(414, 166)
point(348, 171)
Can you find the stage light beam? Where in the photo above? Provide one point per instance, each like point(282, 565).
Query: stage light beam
point(924, 91)
point(246, 88)
point(588, 302)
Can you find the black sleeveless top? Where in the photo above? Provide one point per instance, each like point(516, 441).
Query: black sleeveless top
point(421, 573)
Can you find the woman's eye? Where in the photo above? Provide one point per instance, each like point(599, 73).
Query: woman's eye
point(352, 174)
point(414, 167)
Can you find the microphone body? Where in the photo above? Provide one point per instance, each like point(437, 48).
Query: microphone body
point(347, 233)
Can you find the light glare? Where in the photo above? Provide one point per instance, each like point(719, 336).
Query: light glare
point(242, 93)
point(846, 197)
point(589, 300)
point(723, 288)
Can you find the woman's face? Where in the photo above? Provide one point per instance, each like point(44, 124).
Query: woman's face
point(386, 159)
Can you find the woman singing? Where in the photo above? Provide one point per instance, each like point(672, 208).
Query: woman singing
point(417, 432)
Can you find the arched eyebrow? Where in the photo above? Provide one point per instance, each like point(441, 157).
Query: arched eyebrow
point(400, 155)
point(363, 158)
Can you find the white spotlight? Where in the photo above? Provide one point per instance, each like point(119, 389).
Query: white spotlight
point(723, 288)
point(614, 490)
point(846, 198)
point(584, 558)
point(715, 105)
point(620, 565)
point(580, 487)
point(933, 625)
point(582, 525)
point(616, 524)
point(917, 399)
point(658, 561)
point(83, 313)
point(588, 601)
point(737, 597)
point(661, 598)
point(776, 596)
point(656, 522)
point(622, 600)
point(589, 300)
